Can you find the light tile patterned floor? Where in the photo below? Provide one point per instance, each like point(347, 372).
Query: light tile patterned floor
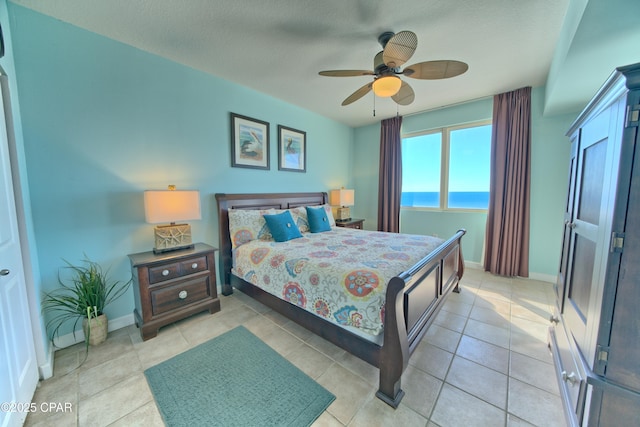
point(484, 362)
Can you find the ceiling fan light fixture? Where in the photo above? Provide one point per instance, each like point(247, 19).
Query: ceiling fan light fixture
point(397, 49)
point(386, 86)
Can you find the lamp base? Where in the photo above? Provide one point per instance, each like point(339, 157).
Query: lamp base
point(172, 238)
point(175, 248)
point(343, 214)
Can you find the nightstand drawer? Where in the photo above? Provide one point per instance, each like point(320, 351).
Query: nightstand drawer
point(164, 272)
point(178, 269)
point(176, 296)
point(351, 223)
point(193, 266)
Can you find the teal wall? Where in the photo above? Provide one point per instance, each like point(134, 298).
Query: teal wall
point(550, 151)
point(104, 121)
point(549, 169)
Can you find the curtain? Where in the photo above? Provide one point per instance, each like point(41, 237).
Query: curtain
point(390, 175)
point(507, 233)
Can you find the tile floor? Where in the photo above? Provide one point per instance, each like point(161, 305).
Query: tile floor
point(484, 362)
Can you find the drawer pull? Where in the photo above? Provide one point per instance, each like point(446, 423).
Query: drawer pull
point(194, 265)
point(165, 272)
point(182, 294)
point(569, 378)
point(554, 319)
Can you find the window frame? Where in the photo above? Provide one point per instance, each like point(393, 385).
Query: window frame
point(445, 150)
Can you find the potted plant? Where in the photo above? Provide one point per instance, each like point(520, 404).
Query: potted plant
point(84, 295)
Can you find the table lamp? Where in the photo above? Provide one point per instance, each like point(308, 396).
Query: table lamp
point(171, 206)
point(343, 199)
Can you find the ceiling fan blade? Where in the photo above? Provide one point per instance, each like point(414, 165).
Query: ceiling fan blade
point(346, 73)
point(434, 70)
point(358, 94)
point(400, 48)
point(405, 95)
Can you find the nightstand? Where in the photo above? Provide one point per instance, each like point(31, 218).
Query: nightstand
point(351, 223)
point(173, 285)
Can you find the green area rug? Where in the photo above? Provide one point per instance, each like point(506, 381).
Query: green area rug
point(235, 380)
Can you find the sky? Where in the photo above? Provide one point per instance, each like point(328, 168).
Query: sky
point(468, 170)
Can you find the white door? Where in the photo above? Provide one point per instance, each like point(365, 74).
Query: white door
point(18, 366)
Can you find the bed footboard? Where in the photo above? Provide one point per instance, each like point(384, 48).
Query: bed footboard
point(413, 299)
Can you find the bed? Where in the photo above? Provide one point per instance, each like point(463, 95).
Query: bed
point(411, 297)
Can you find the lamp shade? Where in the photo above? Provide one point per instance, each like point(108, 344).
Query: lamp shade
point(171, 206)
point(386, 86)
point(342, 197)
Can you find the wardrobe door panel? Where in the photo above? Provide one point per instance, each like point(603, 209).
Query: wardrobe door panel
point(580, 284)
point(586, 249)
point(568, 220)
point(613, 406)
point(594, 162)
point(623, 366)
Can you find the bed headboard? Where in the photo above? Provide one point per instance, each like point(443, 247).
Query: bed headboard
point(253, 201)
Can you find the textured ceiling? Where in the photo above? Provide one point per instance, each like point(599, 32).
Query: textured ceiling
point(277, 47)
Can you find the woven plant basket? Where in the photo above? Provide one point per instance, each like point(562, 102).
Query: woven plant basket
point(99, 328)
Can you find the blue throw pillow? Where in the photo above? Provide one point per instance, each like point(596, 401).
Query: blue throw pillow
point(282, 226)
point(318, 221)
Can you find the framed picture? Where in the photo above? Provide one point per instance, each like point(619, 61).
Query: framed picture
point(292, 149)
point(249, 142)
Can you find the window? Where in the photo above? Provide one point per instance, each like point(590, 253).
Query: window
point(451, 161)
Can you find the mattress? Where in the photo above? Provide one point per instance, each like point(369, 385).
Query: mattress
point(340, 275)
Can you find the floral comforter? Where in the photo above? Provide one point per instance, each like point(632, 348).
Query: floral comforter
point(340, 275)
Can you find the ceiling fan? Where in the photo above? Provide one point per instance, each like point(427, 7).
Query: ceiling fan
point(397, 49)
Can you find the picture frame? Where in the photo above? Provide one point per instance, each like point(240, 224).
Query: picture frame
point(292, 149)
point(249, 142)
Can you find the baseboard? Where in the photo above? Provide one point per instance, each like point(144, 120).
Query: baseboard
point(542, 277)
point(46, 370)
point(474, 265)
point(71, 339)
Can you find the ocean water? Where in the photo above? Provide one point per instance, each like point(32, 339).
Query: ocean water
point(457, 199)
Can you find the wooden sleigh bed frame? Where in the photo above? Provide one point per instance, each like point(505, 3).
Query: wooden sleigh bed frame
point(413, 297)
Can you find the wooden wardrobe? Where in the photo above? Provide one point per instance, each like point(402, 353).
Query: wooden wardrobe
point(595, 331)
